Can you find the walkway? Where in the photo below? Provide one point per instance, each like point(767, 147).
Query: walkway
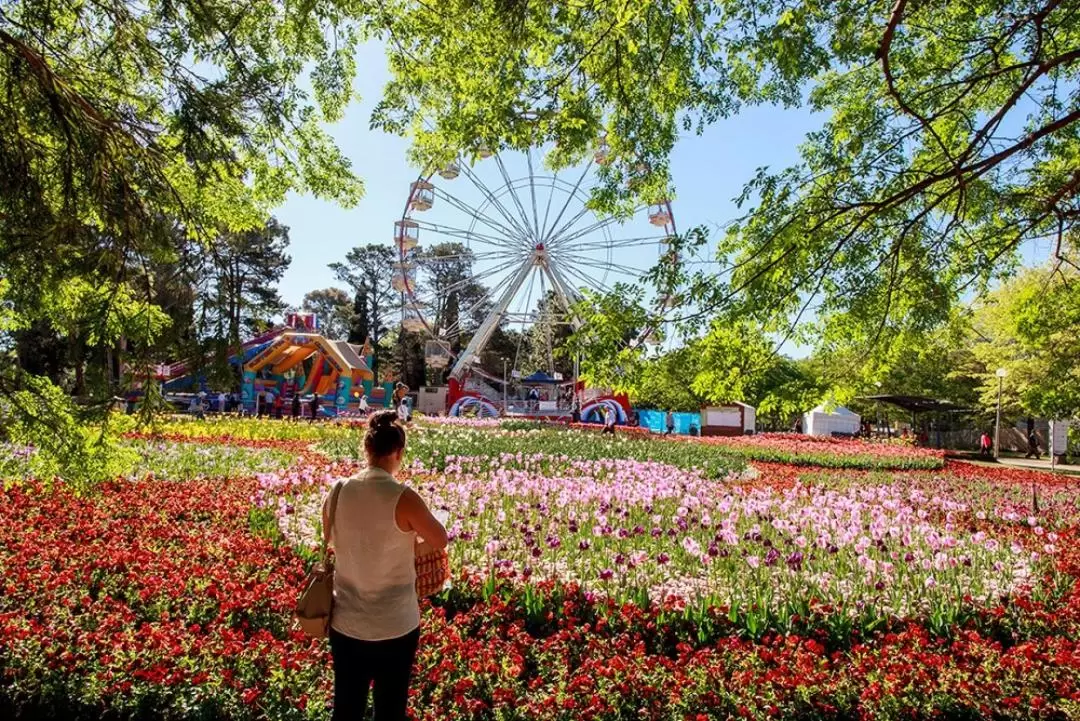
point(1032, 464)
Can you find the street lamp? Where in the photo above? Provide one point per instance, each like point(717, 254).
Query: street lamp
point(1001, 373)
point(878, 409)
point(505, 408)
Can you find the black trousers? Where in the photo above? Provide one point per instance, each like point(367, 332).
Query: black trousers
point(359, 663)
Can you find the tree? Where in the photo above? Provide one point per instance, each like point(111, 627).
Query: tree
point(737, 362)
point(122, 122)
point(608, 342)
point(243, 271)
point(404, 357)
point(333, 309)
point(666, 382)
point(359, 321)
point(459, 303)
point(951, 133)
point(549, 331)
point(948, 145)
point(368, 271)
point(1030, 326)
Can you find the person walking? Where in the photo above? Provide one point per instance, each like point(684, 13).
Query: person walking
point(314, 407)
point(1033, 445)
point(196, 407)
point(363, 405)
point(670, 424)
point(295, 406)
point(985, 444)
point(609, 421)
point(375, 626)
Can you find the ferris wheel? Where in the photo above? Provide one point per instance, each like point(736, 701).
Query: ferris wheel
point(521, 239)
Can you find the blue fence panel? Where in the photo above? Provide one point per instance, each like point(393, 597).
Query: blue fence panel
point(656, 421)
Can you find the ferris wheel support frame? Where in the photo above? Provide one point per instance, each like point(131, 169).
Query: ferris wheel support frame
point(487, 328)
point(494, 319)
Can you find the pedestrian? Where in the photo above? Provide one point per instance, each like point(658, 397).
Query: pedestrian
point(1033, 445)
point(400, 390)
point(279, 406)
point(196, 407)
point(375, 628)
point(403, 413)
point(363, 405)
point(314, 407)
point(670, 424)
point(984, 444)
point(295, 406)
point(609, 421)
point(798, 425)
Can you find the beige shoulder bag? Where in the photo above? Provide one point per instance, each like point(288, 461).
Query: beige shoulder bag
point(317, 597)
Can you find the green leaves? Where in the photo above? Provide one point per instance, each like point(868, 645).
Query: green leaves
point(1029, 327)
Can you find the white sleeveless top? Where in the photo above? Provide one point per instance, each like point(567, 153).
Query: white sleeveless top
point(375, 567)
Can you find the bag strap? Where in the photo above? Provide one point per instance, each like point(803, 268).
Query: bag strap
point(330, 525)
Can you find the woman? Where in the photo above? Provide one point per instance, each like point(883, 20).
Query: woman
point(375, 626)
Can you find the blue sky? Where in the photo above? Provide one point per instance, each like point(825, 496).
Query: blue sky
point(708, 171)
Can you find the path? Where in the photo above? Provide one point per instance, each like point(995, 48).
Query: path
point(1032, 464)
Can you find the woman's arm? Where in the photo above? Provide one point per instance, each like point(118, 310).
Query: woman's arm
point(412, 514)
point(326, 517)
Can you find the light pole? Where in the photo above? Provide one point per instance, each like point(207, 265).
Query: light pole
point(1001, 373)
point(504, 387)
point(878, 413)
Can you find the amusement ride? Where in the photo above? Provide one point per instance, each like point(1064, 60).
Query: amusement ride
point(524, 234)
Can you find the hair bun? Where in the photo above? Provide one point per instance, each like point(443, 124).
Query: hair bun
point(382, 419)
point(384, 434)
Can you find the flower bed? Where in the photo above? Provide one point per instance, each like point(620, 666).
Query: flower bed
point(169, 599)
point(431, 445)
point(802, 450)
point(868, 551)
point(156, 600)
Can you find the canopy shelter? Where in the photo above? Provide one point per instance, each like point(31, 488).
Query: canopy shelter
point(836, 422)
point(540, 378)
point(942, 414)
point(919, 404)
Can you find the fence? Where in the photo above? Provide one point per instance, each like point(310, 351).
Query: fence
point(656, 421)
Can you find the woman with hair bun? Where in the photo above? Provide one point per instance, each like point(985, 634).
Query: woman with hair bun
point(375, 625)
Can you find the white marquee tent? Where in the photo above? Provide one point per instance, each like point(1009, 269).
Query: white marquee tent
point(820, 422)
